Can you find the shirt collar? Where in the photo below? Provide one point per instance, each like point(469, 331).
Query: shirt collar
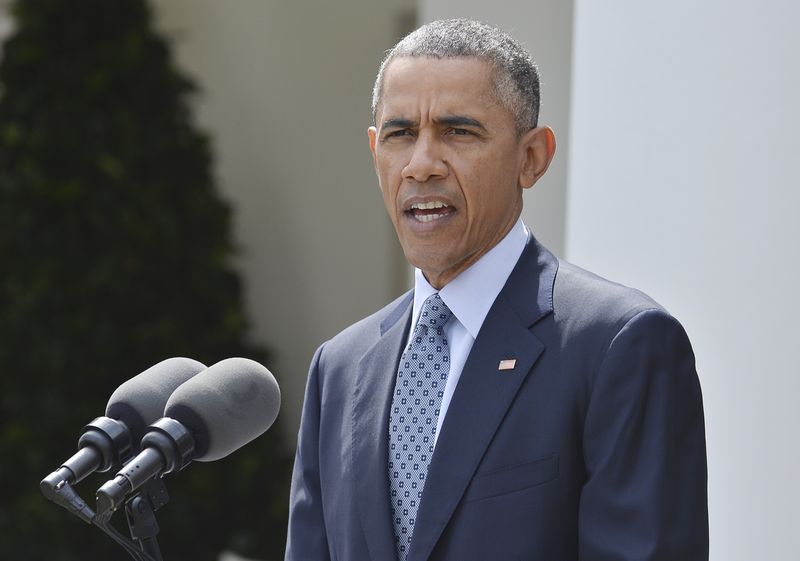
point(471, 294)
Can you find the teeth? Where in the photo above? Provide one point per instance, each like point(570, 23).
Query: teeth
point(429, 217)
point(431, 204)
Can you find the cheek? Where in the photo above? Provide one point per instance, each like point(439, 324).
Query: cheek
point(490, 195)
point(388, 174)
point(478, 184)
point(389, 183)
point(386, 195)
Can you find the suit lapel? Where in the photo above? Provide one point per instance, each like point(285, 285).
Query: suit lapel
point(376, 375)
point(484, 393)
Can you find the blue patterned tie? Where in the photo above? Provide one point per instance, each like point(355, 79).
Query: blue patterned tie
point(421, 377)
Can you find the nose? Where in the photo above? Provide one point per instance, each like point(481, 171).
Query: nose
point(426, 161)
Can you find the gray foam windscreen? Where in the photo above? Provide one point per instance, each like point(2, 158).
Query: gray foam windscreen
point(226, 406)
point(141, 400)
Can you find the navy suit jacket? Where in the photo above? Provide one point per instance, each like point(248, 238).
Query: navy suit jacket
point(592, 448)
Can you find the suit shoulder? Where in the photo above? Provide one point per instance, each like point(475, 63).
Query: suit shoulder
point(591, 313)
point(583, 300)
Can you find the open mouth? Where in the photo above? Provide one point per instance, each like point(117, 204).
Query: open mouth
point(429, 211)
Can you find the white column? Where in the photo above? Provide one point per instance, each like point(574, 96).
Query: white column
point(684, 182)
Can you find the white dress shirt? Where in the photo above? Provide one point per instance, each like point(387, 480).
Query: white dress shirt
point(470, 296)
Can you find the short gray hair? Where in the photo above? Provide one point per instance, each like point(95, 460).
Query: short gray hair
point(516, 78)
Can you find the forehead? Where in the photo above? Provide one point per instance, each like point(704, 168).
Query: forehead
point(413, 85)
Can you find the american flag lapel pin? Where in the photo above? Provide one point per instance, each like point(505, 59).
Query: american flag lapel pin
point(507, 364)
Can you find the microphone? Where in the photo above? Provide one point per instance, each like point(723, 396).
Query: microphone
point(107, 441)
point(206, 418)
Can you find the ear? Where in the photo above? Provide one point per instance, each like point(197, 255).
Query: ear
point(372, 133)
point(537, 148)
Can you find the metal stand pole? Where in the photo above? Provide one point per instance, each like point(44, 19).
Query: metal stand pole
point(140, 511)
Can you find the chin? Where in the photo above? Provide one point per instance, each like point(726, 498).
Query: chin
point(428, 264)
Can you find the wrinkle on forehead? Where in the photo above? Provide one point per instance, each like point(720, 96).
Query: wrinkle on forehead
point(423, 89)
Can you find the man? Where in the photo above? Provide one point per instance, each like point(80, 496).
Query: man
point(512, 406)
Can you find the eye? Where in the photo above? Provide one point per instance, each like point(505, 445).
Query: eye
point(397, 133)
point(459, 132)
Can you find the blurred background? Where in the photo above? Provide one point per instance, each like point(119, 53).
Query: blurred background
point(191, 177)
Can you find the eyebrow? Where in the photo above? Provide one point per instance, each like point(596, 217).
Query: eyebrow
point(448, 120)
point(398, 123)
point(460, 121)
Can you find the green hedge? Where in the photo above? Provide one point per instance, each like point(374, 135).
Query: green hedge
point(115, 253)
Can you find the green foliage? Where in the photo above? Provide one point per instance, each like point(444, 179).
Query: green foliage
point(114, 254)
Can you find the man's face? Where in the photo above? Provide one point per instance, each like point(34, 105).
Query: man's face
point(450, 163)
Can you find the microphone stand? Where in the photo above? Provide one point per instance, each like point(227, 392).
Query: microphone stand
point(140, 512)
point(61, 492)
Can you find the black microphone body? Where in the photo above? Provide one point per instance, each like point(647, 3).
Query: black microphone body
point(104, 443)
point(109, 441)
point(166, 448)
point(208, 417)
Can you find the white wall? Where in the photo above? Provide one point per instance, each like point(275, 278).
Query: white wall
point(544, 27)
point(683, 181)
point(286, 90)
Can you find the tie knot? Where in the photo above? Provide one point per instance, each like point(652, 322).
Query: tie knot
point(435, 313)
